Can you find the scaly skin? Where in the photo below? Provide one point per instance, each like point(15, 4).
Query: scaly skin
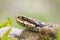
point(44, 34)
point(29, 35)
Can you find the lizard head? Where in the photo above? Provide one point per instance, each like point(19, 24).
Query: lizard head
point(29, 22)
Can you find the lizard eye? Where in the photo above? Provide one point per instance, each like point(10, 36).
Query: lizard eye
point(18, 17)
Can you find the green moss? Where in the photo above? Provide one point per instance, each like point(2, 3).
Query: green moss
point(5, 35)
point(7, 22)
point(58, 34)
point(4, 24)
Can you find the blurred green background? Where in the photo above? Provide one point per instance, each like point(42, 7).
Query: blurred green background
point(43, 10)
